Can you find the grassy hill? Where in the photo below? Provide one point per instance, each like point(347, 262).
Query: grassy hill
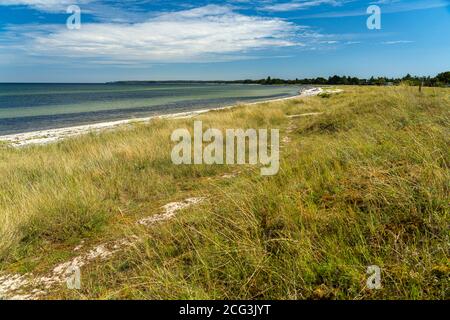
point(364, 181)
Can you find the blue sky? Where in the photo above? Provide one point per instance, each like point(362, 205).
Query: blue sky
point(228, 39)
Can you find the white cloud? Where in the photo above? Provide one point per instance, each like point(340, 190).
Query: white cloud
point(385, 1)
point(353, 42)
point(44, 5)
point(299, 5)
point(210, 33)
point(101, 10)
point(397, 42)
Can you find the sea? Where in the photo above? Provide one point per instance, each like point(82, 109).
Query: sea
point(31, 107)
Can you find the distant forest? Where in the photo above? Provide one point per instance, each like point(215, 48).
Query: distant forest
point(441, 80)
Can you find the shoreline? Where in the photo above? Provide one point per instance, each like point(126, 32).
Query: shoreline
point(47, 136)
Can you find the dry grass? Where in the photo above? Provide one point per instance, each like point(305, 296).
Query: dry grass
point(366, 182)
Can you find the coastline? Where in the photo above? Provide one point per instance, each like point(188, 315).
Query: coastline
point(47, 136)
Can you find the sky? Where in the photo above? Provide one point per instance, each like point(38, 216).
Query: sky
point(40, 40)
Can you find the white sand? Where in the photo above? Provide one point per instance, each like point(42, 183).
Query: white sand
point(53, 135)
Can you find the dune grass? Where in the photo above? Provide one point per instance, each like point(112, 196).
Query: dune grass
point(364, 183)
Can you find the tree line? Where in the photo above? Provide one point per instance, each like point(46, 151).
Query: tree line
point(442, 79)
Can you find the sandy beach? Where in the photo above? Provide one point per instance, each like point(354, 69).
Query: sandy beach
point(53, 135)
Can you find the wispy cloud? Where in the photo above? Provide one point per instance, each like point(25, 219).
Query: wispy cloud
point(44, 5)
point(353, 42)
point(397, 42)
point(392, 6)
point(300, 5)
point(384, 1)
point(100, 10)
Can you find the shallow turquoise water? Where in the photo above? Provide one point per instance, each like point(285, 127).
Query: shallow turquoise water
point(29, 107)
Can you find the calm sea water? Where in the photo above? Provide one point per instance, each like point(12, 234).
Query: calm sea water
point(30, 107)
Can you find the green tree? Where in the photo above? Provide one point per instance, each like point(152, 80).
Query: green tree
point(444, 77)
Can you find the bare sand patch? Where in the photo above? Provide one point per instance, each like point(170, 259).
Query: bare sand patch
point(31, 287)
